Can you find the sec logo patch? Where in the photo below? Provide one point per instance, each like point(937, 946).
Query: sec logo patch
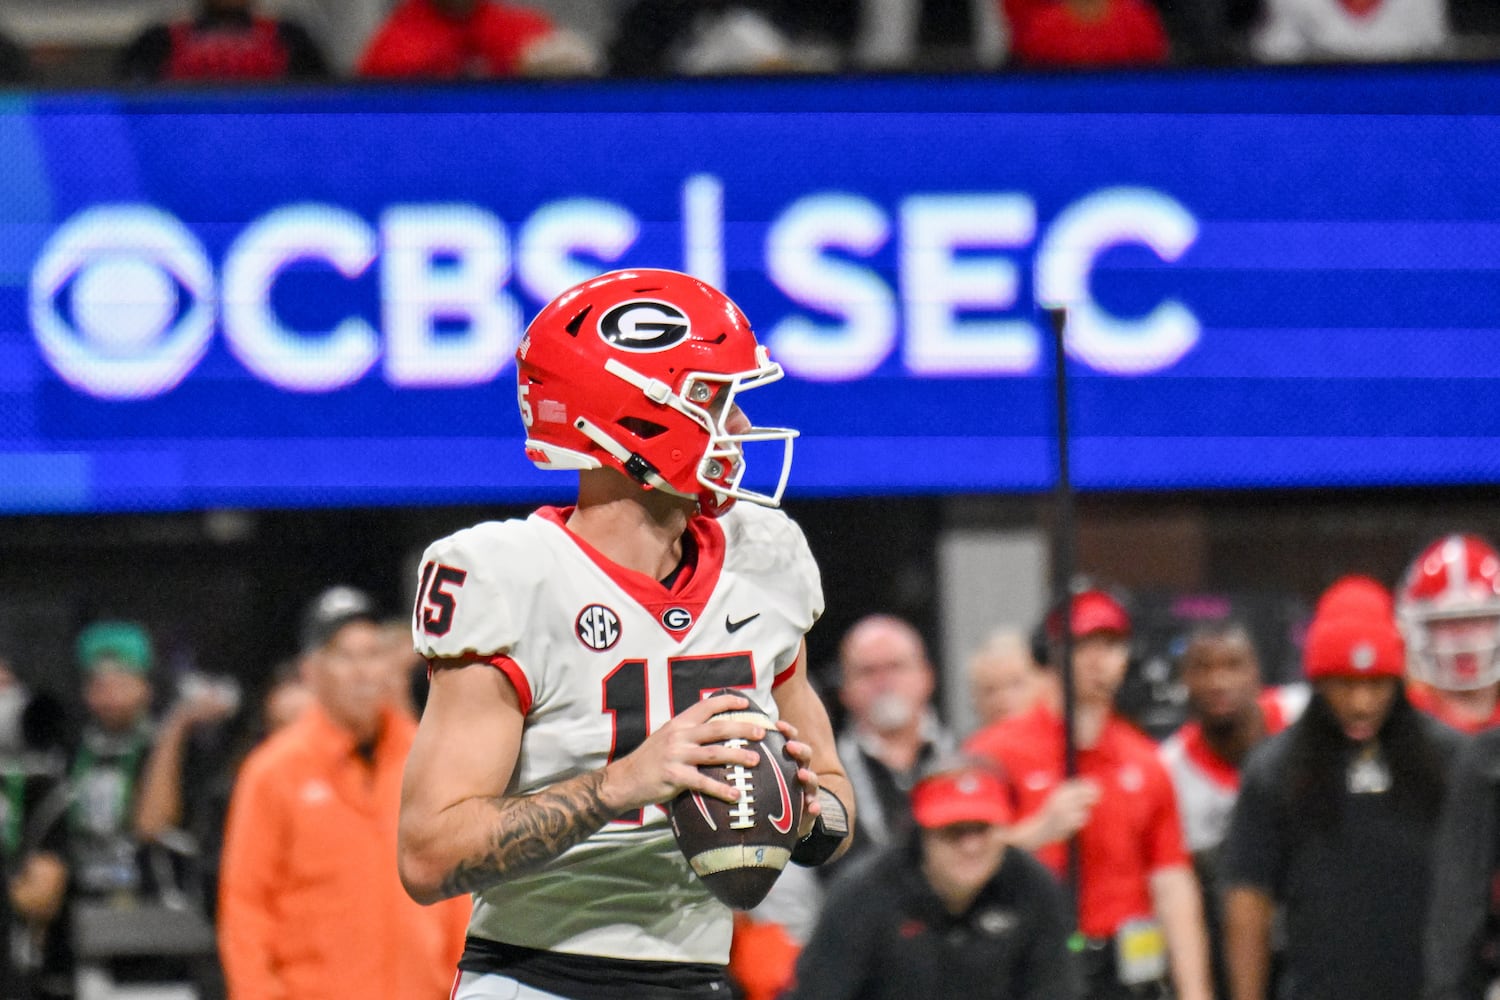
point(597, 627)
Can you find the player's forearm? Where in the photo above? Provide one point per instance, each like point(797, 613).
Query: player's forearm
point(481, 842)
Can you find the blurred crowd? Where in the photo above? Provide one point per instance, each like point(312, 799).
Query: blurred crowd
point(96, 42)
point(1328, 837)
point(121, 811)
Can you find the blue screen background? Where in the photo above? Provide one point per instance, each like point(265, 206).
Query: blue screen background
point(1341, 276)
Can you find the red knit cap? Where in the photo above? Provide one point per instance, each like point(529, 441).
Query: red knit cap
point(1355, 595)
point(1351, 643)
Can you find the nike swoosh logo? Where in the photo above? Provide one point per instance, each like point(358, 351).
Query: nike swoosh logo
point(703, 810)
point(734, 626)
point(782, 823)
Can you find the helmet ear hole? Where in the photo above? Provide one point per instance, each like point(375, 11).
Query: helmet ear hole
point(641, 427)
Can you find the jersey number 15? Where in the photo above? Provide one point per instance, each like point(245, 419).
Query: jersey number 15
point(689, 678)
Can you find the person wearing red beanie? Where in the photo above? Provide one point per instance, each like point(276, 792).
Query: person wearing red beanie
point(1353, 594)
point(1356, 662)
point(1335, 818)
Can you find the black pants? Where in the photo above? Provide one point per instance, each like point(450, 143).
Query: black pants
point(1101, 983)
point(1111, 989)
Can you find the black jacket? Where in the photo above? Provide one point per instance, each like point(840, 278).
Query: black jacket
point(884, 935)
point(1459, 956)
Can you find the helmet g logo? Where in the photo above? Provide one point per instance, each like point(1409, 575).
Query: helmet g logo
point(644, 325)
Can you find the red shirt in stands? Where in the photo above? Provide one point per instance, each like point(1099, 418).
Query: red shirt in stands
point(1133, 831)
point(223, 46)
point(421, 40)
point(1093, 33)
point(256, 54)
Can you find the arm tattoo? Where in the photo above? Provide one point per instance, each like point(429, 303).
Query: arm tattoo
point(531, 830)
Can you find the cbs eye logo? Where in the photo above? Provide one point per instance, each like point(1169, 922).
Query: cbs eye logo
point(122, 302)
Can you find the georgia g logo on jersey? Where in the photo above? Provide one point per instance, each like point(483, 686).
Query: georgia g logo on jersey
point(644, 325)
point(597, 627)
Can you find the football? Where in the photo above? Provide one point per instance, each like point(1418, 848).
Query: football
point(739, 848)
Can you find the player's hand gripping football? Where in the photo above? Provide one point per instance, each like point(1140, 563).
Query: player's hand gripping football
point(668, 762)
point(806, 776)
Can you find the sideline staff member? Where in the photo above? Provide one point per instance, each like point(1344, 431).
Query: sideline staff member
point(952, 914)
point(1139, 903)
point(310, 907)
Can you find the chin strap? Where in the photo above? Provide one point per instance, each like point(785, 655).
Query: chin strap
point(635, 466)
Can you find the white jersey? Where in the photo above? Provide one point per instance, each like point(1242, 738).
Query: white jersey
point(600, 656)
point(1207, 785)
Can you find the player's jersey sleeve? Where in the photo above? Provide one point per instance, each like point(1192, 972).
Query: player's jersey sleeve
point(768, 545)
point(805, 572)
point(475, 590)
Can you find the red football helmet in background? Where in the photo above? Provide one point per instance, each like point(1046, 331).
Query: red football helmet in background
point(1448, 607)
point(640, 370)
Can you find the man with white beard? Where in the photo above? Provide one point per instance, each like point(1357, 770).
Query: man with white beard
point(891, 730)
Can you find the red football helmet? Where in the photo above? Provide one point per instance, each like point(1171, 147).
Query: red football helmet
point(1449, 610)
point(641, 370)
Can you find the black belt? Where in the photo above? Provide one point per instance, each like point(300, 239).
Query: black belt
point(595, 977)
point(1099, 962)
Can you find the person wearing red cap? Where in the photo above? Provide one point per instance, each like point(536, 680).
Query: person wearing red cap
point(1333, 825)
point(952, 912)
point(1140, 914)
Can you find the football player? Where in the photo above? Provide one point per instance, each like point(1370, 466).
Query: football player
point(1448, 608)
point(572, 651)
point(1230, 713)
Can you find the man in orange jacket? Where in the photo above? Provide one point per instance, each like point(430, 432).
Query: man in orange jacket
point(311, 907)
